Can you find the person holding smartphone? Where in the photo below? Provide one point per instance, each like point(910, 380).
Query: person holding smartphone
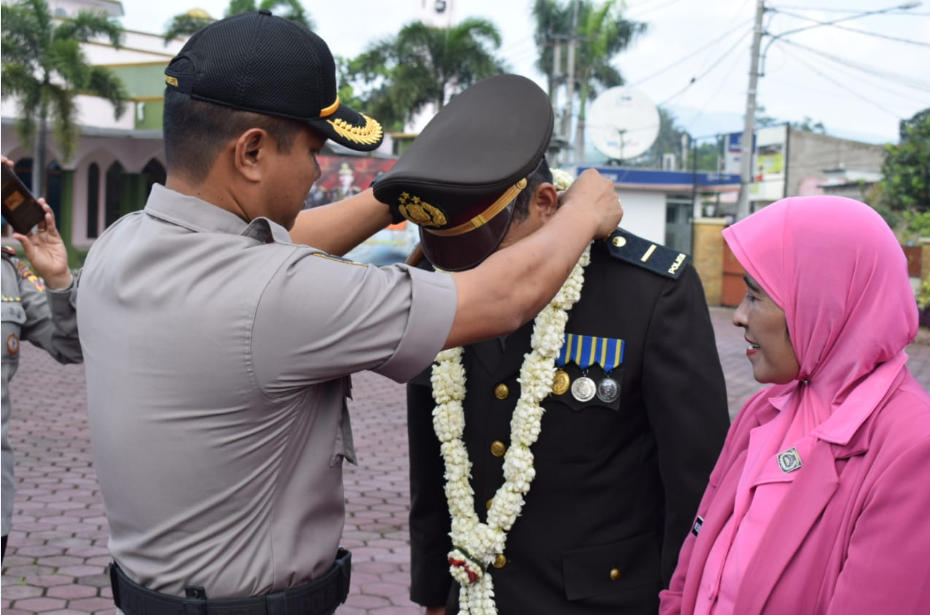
point(36, 307)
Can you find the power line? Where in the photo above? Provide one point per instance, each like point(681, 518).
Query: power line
point(865, 32)
point(510, 47)
point(712, 67)
point(887, 37)
point(843, 87)
point(692, 53)
point(881, 74)
point(779, 7)
point(883, 87)
point(726, 78)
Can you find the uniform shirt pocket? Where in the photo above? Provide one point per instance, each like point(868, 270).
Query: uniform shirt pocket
point(577, 431)
point(616, 567)
point(13, 313)
point(14, 317)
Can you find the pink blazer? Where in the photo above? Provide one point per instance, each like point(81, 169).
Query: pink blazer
point(853, 535)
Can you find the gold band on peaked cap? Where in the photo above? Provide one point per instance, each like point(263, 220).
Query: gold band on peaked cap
point(484, 217)
point(327, 111)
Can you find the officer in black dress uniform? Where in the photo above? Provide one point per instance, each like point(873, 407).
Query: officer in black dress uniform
point(638, 410)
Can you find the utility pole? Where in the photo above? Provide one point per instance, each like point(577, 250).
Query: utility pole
point(746, 145)
point(570, 84)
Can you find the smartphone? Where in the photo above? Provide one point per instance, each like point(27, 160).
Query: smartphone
point(20, 209)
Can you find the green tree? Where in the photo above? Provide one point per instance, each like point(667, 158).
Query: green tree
point(601, 33)
point(668, 141)
point(905, 186)
point(809, 125)
point(765, 121)
point(187, 23)
point(45, 68)
point(423, 65)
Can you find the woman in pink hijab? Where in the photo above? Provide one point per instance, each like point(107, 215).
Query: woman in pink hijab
point(820, 501)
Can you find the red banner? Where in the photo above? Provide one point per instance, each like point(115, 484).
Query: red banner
point(343, 176)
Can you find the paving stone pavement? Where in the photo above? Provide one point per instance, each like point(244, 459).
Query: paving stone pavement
point(57, 552)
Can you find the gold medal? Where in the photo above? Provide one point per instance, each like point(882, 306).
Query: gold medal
point(561, 382)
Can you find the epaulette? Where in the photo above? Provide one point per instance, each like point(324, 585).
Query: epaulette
point(338, 259)
point(641, 252)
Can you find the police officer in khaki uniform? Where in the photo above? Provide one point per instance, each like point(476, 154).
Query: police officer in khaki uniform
point(36, 308)
point(219, 353)
point(637, 412)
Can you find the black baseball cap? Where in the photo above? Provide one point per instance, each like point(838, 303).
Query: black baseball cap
point(265, 64)
point(460, 177)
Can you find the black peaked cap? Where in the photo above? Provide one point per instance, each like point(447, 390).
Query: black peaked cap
point(265, 64)
point(459, 177)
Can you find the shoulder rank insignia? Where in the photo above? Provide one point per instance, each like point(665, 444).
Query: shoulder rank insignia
point(643, 253)
point(338, 259)
point(27, 274)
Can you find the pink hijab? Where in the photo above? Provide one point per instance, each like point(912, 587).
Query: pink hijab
point(836, 269)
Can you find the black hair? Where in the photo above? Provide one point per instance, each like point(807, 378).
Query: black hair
point(196, 131)
point(540, 175)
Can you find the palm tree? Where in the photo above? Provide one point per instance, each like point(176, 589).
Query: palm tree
point(45, 67)
point(187, 23)
point(425, 65)
point(601, 34)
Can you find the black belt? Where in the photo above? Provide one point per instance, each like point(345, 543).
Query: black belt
point(319, 597)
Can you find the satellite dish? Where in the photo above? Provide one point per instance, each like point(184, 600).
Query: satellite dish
point(622, 123)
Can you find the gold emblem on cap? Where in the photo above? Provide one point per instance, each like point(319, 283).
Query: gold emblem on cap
point(369, 134)
point(561, 382)
point(484, 217)
point(420, 212)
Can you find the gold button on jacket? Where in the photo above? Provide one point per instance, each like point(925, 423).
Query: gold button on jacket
point(614, 574)
point(500, 561)
point(501, 391)
point(498, 448)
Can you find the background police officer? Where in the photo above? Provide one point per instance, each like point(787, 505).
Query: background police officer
point(36, 307)
point(218, 352)
point(638, 410)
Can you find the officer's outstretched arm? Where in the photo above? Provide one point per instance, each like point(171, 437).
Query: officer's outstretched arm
point(515, 283)
point(338, 227)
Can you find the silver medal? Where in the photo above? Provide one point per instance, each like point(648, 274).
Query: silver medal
point(608, 390)
point(584, 389)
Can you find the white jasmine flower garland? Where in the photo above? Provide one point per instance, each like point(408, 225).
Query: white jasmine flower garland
point(476, 544)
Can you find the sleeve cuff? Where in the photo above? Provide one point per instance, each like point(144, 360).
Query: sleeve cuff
point(433, 303)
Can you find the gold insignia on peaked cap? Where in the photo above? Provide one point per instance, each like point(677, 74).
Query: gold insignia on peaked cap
point(484, 217)
point(420, 212)
point(369, 134)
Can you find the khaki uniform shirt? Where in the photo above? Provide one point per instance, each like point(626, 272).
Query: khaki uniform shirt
point(47, 320)
point(218, 357)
